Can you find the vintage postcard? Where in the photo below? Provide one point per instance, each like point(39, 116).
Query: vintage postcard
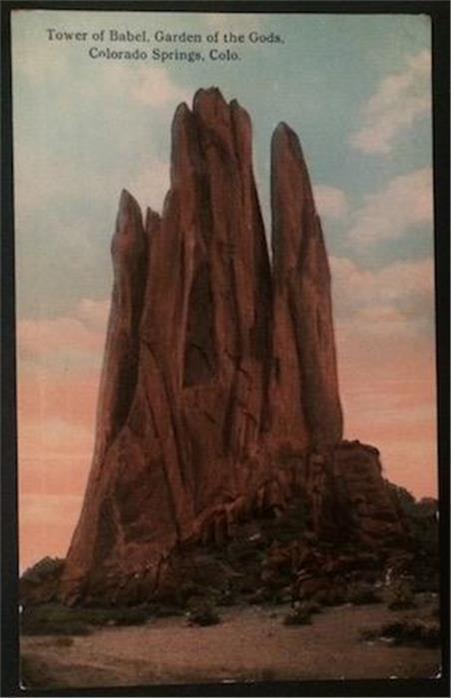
point(226, 373)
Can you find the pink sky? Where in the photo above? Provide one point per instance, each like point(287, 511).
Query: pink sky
point(387, 380)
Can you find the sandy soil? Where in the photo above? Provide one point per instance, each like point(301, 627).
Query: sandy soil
point(250, 644)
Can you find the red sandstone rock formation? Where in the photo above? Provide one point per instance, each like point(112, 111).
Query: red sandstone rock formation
point(347, 496)
point(214, 394)
point(305, 404)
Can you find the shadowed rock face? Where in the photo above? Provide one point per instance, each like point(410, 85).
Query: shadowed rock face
point(219, 379)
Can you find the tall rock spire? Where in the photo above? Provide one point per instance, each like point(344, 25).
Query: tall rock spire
point(183, 395)
point(304, 388)
point(214, 370)
point(97, 524)
point(129, 249)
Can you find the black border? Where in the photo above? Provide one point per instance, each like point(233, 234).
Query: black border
point(9, 666)
point(439, 13)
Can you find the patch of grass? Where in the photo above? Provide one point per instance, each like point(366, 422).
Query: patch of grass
point(43, 626)
point(202, 611)
point(360, 594)
point(47, 567)
point(312, 607)
point(334, 596)
point(401, 596)
point(56, 619)
point(161, 610)
point(289, 526)
point(228, 598)
point(243, 550)
point(276, 597)
point(204, 616)
point(300, 615)
point(407, 632)
point(64, 641)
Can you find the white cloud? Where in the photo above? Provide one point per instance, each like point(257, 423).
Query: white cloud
point(93, 314)
point(151, 185)
point(128, 82)
point(330, 201)
point(71, 339)
point(383, 308)
point(382, 326)
point(54, 183)
point(78, 182)
point(58, 437)
point(47, 507)
point(401, 99)
point(35, 58)
point(397, 283)
point(148, 86)
point(406, 200)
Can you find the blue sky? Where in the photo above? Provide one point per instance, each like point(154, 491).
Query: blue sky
point(85, 127)
point(356, 89)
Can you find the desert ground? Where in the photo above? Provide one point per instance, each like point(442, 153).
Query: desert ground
point(250, 643)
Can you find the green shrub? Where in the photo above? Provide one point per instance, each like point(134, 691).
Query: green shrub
point(203, 612)
point(360, 594)
point(64, 641)
point(47, 567)
point(312, 607)
point(400, 595)
point(56, 619)
point(299, 615)
point(407, 632)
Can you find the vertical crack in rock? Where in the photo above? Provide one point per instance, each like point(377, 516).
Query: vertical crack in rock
point(200, 351)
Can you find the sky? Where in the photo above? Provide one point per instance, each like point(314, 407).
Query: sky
point(356, 89)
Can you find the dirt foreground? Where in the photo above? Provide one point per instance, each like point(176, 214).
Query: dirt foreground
point(250, 644)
